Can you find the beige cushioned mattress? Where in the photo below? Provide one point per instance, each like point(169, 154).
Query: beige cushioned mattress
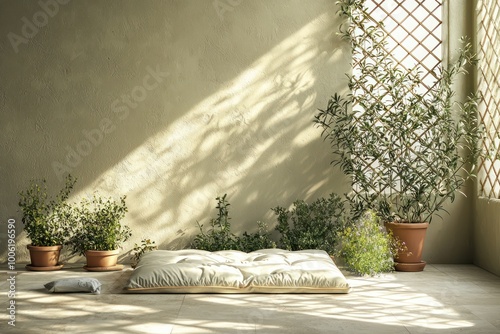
point(262, 271)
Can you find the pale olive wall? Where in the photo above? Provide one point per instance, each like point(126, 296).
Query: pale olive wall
point(173, 103)
point(487, 235)
point(487, 225)
point(450, 239)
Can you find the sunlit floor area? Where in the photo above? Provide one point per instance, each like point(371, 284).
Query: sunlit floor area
point(441, 299)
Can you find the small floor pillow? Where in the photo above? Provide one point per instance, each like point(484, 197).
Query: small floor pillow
point(76, 284)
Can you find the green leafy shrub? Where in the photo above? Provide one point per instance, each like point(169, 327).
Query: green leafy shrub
point(99, 225)
point(310, 226)
point(406, 152)
point(254, 241)
point(146, 246)
point(47, 221)
point(219, 236)
point(366, 247)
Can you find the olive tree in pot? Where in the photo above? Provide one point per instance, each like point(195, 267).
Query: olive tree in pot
point(407, 150)
point(48, 222)
point(100, 233)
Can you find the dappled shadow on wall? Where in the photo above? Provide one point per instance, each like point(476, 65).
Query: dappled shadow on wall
point(254, 140)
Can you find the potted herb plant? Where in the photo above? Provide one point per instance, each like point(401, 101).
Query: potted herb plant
point(48, 222)
point(406, 149)
point(100, 233)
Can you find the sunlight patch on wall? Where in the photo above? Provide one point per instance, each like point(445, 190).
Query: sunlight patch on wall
point(243, 131)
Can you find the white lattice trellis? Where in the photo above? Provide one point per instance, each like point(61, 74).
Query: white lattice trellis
point(488, 13)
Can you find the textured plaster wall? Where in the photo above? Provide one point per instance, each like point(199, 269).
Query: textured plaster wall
point(170, 103)
point(450, 239)
point(173, 103)
point(487, 221)
point(487, 235)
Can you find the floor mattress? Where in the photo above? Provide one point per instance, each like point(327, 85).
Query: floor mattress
point(262, 271)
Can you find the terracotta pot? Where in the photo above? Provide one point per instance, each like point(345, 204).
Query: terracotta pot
point(45, 256)
point(413, 236)
point(102, 259)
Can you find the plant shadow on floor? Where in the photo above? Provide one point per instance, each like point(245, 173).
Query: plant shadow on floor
point(376, 304)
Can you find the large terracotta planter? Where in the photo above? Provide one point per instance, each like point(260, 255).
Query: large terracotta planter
point(413, 236)
point(102, 260)
point(44, 258)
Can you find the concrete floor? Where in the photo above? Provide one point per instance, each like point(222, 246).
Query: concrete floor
point(442, 299)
